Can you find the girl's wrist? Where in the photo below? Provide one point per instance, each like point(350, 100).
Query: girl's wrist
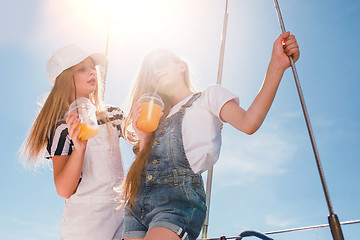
point(144, 139)
point(276, 66)
point(80, 149)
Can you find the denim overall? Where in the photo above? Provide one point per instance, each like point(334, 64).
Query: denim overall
point(171, 195)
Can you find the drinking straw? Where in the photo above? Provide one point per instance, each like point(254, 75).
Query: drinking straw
point(156, 89)
point(77, 110)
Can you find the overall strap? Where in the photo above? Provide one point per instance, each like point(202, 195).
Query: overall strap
point(190, 102)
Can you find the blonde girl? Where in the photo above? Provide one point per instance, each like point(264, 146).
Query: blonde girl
point(85, 171)
point(163, 190)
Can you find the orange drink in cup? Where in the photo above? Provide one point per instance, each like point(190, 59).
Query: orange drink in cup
point(151, 108)
point(86, 131)
point(87, 113)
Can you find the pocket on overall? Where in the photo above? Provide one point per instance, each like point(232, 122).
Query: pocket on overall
point(106, 163)
point(194, 193)
point(196, 210)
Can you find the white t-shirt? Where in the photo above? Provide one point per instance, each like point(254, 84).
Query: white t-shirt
point(201, 126)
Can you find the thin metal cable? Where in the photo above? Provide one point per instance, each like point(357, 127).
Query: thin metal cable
point(288, 230)
point(310, 227)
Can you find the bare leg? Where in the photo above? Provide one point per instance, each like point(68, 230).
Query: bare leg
point(161, 233)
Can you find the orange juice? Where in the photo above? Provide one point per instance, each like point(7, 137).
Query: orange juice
point(87, 131)
point(149, 116)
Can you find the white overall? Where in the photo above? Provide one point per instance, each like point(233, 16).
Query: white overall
point(90, 212)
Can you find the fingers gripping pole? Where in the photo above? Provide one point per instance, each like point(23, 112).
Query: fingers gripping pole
point(219, 76)
point(333, 220)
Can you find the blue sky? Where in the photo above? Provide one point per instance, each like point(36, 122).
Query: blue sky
point(267, 181)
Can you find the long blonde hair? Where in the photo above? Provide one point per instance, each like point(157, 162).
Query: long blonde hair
point(54, 108)
point(143, 85)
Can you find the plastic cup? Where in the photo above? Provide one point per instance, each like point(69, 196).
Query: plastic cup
point(151, 108)
point(87, 114)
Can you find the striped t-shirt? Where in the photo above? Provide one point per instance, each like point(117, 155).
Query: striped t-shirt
point(59, 141)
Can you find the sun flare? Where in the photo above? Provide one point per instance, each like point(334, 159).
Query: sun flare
point(136, 16)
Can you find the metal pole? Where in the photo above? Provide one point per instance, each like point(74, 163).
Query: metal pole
point(208, 195)
point(106, 55)
point(222, 48)
point(108, 36)
point(219, 76)
point(333, 219)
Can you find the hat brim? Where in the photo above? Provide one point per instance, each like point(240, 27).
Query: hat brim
point(70, 56)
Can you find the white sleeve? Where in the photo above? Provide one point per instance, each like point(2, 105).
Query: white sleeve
point(216, 96)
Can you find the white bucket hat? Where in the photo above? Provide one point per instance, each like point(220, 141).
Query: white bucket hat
point(67, 57)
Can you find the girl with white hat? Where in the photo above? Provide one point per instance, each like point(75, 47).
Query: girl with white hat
point(85, 171)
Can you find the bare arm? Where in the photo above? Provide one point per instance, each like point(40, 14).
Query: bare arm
point(67, 169)
point(249, 121)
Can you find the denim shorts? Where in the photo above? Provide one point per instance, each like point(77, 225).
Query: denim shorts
point(179, 207)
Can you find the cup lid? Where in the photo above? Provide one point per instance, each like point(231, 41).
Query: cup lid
point(81, 102)
point(153, 98)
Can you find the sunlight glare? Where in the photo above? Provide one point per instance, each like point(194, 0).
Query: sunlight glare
point(136, 16)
